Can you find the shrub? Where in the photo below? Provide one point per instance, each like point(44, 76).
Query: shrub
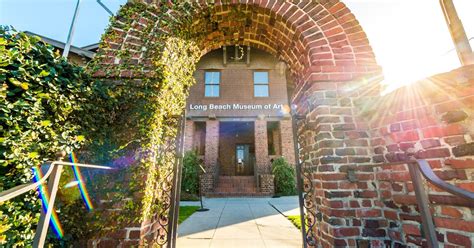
point(41, 101)
point(285, 182)
point(190, 179)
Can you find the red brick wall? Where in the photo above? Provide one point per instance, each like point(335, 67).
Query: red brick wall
point(276, 136)
point(211, 153)
point(432, 119)
point(320, 40)
point(333, 140)
point(189, 135)
point(261, 147)
point(267, 184)
point(287, 141)
point(236, 85)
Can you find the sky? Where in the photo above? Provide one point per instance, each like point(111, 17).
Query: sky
point(52, 18)
point(409, 37)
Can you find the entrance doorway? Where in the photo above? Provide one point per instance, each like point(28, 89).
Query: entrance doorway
point(236, 148)
point(244, 163)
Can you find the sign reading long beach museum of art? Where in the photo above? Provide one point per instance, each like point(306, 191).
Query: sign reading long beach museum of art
point(236, 106)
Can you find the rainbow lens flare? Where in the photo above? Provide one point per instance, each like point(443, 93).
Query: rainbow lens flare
point(82, 188)
point(44, 196)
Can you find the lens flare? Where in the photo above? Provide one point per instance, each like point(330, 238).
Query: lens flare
point(285, 110)
point(71, 184)
point(44, 196)
point(80, 182)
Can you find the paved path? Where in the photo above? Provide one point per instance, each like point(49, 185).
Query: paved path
point(241, 222)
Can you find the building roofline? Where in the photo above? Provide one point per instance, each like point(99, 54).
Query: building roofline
point(91, 47)
point(61, 45)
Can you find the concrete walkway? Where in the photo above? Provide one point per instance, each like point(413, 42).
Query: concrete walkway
point(241, 222)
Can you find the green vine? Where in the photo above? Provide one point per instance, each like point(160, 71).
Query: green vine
point(42, 101)
point(146, 60)
point(146, 109)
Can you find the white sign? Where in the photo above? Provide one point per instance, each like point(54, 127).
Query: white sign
point(236, 106)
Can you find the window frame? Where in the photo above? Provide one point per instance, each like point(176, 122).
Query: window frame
point(261, 84)
point(213, 84)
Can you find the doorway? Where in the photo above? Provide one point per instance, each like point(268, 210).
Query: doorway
point(236, 148)
point(244, 160)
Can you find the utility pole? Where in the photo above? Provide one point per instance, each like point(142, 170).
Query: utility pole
point(72, 28)
point(458, 34)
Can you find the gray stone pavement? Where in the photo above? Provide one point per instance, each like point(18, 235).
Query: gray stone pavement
point(241, 222)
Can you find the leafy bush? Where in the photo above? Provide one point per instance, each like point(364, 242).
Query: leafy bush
point(41, 100)
point(190, 179)
point(285, 182)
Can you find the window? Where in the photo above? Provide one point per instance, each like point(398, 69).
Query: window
point(260, 84)
point(211, 81)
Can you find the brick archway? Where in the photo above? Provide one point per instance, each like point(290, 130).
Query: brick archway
point(321, 41)
point(332, 65)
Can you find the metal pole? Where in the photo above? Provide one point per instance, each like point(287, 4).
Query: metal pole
point(200, 197)
point(299, 179)
point(423, 204)
point(202, 209)
point(43, 224)
point(458, 34)
point(70, 35)
point(105, 7)
point(176, 190)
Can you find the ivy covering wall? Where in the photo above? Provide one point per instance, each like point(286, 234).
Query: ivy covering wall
point(147, 109)
point(48, 105)
point(42, 101)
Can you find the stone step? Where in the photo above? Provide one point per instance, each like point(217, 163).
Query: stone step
point(237, 179)
point(227, 186)
point(236, 183)
point(235, 186)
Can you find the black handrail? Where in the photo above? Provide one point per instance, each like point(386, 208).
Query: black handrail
point(431, 177)
point(438, 182)
point(418, 168)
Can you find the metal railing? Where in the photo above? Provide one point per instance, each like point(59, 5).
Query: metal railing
point(417, 169)
point(54, 171)
point(175, 196)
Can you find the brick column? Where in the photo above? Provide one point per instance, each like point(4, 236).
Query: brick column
point(261, 158)
point(261, 147)
point(211, 154)
point(188, 135)
point(335, 142)
point(287, 141)
point(267, 184)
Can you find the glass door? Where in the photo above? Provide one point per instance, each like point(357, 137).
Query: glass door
point(242, 165)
